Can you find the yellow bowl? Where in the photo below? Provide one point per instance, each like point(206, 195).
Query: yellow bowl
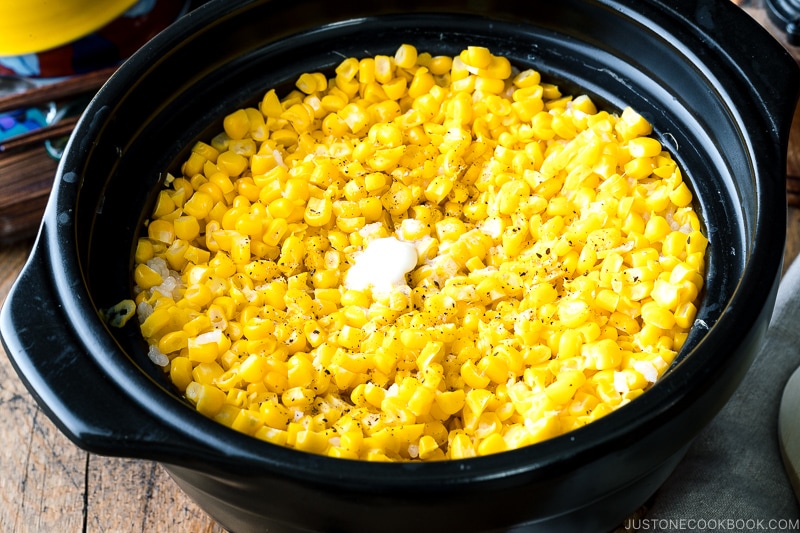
point(37, 25)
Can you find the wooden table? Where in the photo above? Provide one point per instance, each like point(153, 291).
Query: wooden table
point(49, 484)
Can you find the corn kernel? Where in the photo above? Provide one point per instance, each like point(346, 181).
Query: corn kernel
point(207, 399)
point(237, 124)
point(162, 231)
point(145, 277)
point(406, 56)
point(559, 261)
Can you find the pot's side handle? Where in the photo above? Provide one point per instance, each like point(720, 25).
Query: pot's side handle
point(761, 61)
point(66, 382)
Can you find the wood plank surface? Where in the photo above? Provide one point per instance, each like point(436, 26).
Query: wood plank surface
point(47, 484)
point(793, 168)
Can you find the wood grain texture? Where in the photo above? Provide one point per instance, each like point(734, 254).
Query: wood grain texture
point(26, 178)
point(47, 484)
point(43, 477)
point(793, 162)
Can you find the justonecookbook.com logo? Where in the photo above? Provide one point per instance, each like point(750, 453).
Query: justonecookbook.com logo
point(712, 524)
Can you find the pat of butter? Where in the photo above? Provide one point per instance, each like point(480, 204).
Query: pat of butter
point(382, 265)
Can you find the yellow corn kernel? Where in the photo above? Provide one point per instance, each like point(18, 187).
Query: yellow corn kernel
point(421, 83)
point(427, 447)
point(665, 294)
point(300, 116)
point(249, 224)
point(200, 351)
point(274, 414)
point(450, 402)
point(350, 337)
point(120, 313)
point(207, 372)
point(602, 354)
point(199, 205)
point(281, 208)
point(384, 68)
point(553, 266)
point(236, 124)
point(476, 56)
point(397, 199)
point(499, 68)
point(494, 367)
point(632, 124)
point(681, 195)
point(489, 85)
point(643, 147)
point(639, 168)
point(573, 312)
point(473, 377)
point(440, 65)
point(421, 400)
point(231, 164)
point(253, 369)
point(208, 400)
point(180, 372)
point(653, 313)
point(696, 242)
point(394, 88)
point(297, 397)
point(161, 230)
point(144, 251)
point(461, 447)
point(405, 56)
point(494, 443)
point(145, 277)
point(312, 441)
point(649, 335)
point(186, 227)
point(565, 386)
point(355, 117)
point(510, 195)
point(318, 212)
point(240, 248)
point(164, 205)
point(247, 422)
point(271, 105)
point(685, 315)
point(308, 83)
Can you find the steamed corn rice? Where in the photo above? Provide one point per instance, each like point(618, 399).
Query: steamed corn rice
point(557, 261)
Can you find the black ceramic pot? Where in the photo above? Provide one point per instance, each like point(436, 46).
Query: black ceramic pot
point(722, 103)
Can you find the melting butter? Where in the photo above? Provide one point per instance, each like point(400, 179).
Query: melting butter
point(382, 265)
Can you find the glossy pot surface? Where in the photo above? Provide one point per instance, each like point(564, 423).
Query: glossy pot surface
point(721, 105)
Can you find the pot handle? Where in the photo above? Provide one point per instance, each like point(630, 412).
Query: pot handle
point(764, 65)
point(779, 95)
point(69, 386)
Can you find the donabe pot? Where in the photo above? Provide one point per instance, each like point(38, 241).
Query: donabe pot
point(722, 104)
